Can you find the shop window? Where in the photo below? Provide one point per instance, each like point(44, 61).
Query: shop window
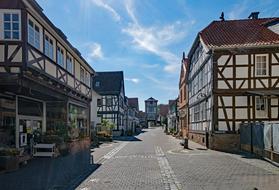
point(7, 121)
point(78, 120)
point(56, 115)
point(30, 107)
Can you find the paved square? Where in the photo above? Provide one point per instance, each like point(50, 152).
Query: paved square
point(157, 161)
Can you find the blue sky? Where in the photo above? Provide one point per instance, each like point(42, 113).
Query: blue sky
point(144, 38)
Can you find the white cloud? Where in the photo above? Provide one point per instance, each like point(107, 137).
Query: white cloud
point(162, 85)
point(172, 68)
point(107, 7)
point(95, 51)
point(134, 80)
point(148, 66)
point(156, 39)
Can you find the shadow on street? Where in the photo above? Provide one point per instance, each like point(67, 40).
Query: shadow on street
point(126, 138)
point(51, 173)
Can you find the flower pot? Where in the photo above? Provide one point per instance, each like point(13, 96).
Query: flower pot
point(9, 163)
point(63, 149)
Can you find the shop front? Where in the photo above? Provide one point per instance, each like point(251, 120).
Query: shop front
point(25, 121)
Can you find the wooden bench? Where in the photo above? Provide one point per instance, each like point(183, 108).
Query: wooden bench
point(48, 150)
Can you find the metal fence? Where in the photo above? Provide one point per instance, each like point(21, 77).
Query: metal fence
point(260, 136)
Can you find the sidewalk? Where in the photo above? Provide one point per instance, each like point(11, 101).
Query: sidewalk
point(201, 168)
point(49, 173)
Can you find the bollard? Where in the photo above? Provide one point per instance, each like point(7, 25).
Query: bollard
point(186, 143)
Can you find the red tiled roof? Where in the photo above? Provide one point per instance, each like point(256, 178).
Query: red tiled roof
point(248, 32)
point(163, 109)
point(133, 102)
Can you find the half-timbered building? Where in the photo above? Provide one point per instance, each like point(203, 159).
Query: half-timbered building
point(233, 78)
point(151, 111)
point(111, 105)
point(183, 99)
point(44, 80)
point(133, 110)
point(173, 117)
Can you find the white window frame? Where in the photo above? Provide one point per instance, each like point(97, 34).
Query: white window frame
point(2, 24)
point(82, 76)
point(87, 78)
point(60, 55)
point(36, 41)
point(49, 46)
point(70, 62)
point(256, 65)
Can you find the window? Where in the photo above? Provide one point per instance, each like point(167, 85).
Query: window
point(33, 34)
point(48, 47)
point(97, 84)
point(82, 75)
point(260, 103)
point(261, 65)
point(197, 113)
point(109, 101)
point(99, 102)
point(60, 56)
point(87, 78)
point(11, 26)
point(70, 67)
point(201, 78)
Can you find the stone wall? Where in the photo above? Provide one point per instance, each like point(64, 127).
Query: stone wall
point(224, 142)
point(197, 137)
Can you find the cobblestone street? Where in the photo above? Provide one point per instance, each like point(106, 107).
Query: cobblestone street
point(153, 160)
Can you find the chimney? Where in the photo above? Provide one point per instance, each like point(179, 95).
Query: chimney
point(183, 55)
point(254, 15)
point(222, 17)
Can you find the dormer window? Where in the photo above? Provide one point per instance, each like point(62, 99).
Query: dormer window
point(11, 26)
point(97, 84)
point(274, 26)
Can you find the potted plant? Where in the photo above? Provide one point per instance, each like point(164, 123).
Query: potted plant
point(9, 159)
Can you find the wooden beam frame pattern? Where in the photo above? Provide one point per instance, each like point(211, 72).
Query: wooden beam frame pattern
point(236, 89)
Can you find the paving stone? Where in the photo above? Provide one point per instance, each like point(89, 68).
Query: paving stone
point(141, 165)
